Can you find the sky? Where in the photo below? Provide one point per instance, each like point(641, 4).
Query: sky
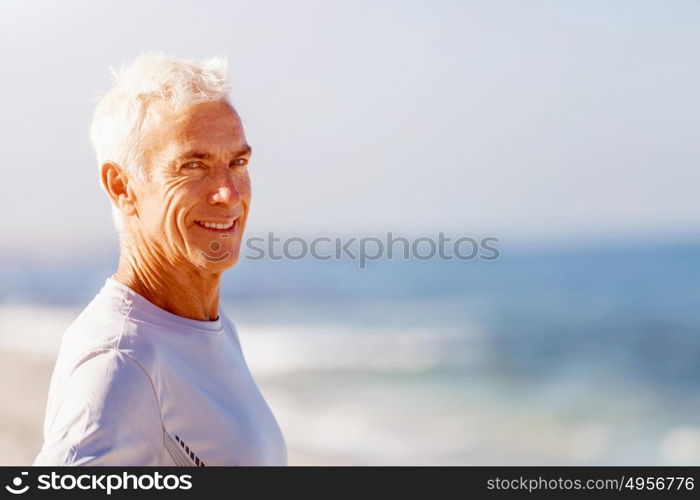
point(537, 120)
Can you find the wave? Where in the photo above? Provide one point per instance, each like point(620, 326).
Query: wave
point(273, 350)
point(35, 329)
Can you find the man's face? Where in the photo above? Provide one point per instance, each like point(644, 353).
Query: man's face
point(194, 206)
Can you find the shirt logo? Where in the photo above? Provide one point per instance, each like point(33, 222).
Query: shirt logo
point(194, 457)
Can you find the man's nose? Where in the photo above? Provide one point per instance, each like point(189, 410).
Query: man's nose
point(225, 192)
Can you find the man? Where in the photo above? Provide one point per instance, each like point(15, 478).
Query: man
point(152, 372)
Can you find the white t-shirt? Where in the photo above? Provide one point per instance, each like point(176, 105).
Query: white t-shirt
point(137, 385)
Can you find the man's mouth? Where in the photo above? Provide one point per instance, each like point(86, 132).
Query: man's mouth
point(218, 226)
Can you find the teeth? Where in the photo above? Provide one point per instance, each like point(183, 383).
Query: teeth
point(213, 225)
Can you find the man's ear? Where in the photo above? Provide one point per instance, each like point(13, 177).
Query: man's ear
point(115, 182)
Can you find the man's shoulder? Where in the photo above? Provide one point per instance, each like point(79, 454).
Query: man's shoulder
point(104, 325)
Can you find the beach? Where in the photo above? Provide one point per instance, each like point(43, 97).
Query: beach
point(24, 401)
point(570, 358)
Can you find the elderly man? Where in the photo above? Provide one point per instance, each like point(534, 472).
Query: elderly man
point(152, 372)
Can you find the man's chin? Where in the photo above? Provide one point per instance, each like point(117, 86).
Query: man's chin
point(219, 262)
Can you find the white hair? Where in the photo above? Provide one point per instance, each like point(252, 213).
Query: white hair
point(123, 113)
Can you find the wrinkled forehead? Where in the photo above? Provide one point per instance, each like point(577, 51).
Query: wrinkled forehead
point(211, 126)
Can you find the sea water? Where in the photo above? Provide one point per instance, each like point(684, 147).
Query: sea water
point(576, 356)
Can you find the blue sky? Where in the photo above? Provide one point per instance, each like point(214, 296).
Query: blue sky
point(529, 120)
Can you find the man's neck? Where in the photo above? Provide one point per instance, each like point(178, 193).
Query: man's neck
point(187, 294)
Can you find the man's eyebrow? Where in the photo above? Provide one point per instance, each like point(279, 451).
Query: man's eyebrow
point(245, 150)
point(193, 155)
point(200, 155)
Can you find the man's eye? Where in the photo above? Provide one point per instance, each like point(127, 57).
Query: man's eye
point(192, 165)
point(239, 161)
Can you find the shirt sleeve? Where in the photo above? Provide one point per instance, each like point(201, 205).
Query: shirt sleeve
point(106, 413)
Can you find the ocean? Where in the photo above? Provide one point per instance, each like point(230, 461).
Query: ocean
point(569, 356)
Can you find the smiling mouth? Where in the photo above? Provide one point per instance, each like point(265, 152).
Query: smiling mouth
point(218, 227)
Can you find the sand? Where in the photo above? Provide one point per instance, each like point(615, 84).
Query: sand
point(23, 394)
